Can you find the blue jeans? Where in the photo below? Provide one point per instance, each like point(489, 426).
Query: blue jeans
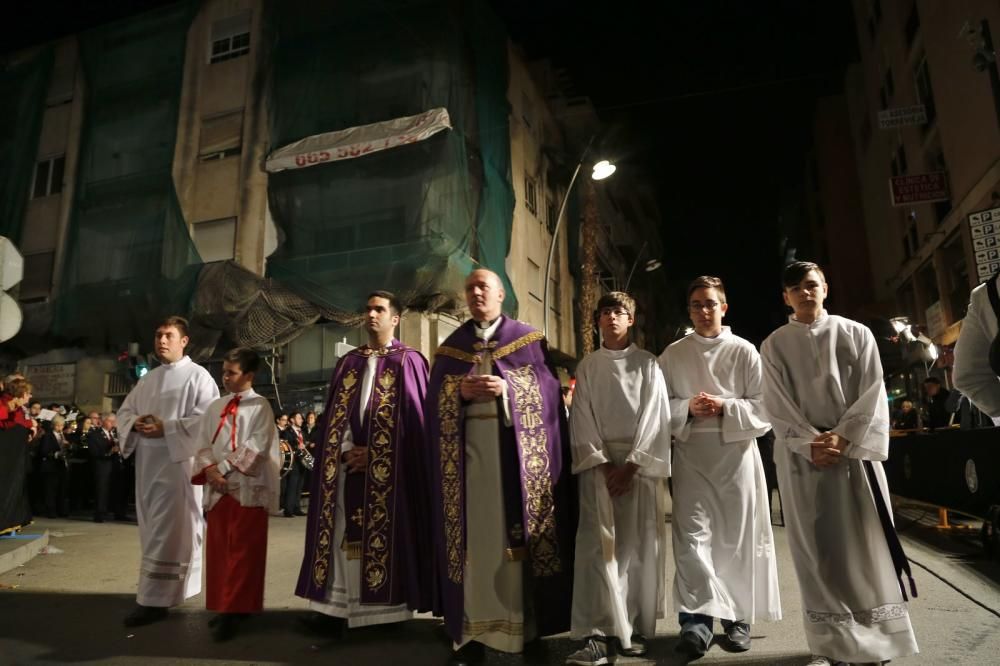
point(701, 625)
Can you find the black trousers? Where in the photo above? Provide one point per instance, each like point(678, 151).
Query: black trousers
point(55, 487)
point(102, 485)
point(294, 481)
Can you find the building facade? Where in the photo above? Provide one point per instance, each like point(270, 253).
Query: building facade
point(139, 185)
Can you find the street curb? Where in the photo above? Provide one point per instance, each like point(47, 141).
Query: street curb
point(33, 545)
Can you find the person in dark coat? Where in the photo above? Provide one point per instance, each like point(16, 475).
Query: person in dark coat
point(53, 449)
point(105, 457)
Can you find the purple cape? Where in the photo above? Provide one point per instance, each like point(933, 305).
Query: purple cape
point(390, 498)
point(539, 495)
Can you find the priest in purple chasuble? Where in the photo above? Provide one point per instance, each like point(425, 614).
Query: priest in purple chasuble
point(503, 502)
point(367, 560)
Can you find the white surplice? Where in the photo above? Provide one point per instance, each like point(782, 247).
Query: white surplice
point(725, 565)
point(168, 506)
point(343, 589)
point(973, 375)
point(828, 376)
point(251, 464)
point(620, 414)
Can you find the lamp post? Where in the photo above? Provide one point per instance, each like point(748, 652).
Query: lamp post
point(601, 170)
point(651, 265)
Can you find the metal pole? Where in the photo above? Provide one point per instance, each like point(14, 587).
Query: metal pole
point(555, 236)
point(634, 264)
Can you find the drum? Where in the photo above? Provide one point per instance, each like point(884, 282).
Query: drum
point(287, 457)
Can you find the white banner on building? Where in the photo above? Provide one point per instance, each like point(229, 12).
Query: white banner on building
point(53, 381)
point(903, 116)
point(357, 141)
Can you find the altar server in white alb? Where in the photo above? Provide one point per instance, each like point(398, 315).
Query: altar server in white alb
point(723, 546)
point(977, 352)
point(620, 440)
point(824, 394)
point(239, 465)
point(158, 422)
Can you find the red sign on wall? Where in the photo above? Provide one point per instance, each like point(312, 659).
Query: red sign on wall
point(919, 188)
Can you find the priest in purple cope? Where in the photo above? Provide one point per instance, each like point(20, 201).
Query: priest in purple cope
point(503, 502)
point(367, 558)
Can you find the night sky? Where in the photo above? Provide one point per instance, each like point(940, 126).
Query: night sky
point(718, 98)
point(712, 99)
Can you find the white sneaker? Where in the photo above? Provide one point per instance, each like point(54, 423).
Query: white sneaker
point(593, 653)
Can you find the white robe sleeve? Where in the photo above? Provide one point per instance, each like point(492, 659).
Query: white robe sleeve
point(586, 443)
point(865, 424)
point(790, 426)
point(205, 457)
point(680, 408)
point(127, 415)
point(181, 434)
point(651, 451)
point(973, 375)
point(745, 418)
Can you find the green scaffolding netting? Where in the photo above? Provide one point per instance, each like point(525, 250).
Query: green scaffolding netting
point(23, 89)
point(130, 259)
point(413, 219)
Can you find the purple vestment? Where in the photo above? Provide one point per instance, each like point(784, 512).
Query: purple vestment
point(539, 499)
point(390, 500)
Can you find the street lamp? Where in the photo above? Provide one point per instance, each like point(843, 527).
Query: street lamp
point(650, 266)
point(601, 170)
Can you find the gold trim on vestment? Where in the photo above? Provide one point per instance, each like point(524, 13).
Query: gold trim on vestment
point(331, 467)
point(379, 486)
point(457, 354)
point(493, 626)
point(352, 548)
point(534, 438)
point(451, 485)
point(523, 341)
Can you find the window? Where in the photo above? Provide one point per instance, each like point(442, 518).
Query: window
point(925, 94)
point(48, 177)
point(230, 38)
point(912, 26)
point(221, 136)
point(889, 82)
point(552, 215)
point(874, 17)
point(900, 160)
point(534, 280)
point(911, 240)
point(37, 280)
point(531, 195)
point(216, 239)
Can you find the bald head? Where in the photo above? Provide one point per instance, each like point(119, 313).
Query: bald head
point(484, 294)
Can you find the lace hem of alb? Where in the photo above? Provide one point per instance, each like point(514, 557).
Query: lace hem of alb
point(863, 617)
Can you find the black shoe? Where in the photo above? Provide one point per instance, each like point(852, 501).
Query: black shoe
point(738, 636)
point(98, 519)
point(299, 513)
point(323, 625)
point(691, 645)
point(225, 625)
point(638, 648)
point(472, 652)
point(143, 615)
point(287, 514)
